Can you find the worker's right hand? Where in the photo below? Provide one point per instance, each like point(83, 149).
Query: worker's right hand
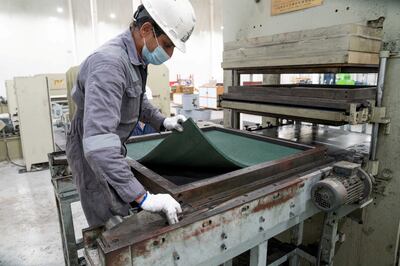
point(162, 202)
point(174, 122)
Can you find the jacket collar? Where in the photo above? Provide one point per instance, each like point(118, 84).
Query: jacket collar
point(131, 48)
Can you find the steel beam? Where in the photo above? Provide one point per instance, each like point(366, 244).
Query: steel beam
point(259, 217)
point(258, 255)
point(295, 113)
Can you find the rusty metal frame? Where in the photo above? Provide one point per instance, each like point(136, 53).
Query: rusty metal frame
point(228, 229)
point(241, 180)
point(274, 195)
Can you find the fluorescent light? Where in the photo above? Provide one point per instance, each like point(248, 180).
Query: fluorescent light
point(60, 10)
point(112, 16)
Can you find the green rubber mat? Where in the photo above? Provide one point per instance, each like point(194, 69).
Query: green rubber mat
point(193, 148)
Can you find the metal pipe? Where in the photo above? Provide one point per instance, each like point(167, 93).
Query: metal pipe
point(379, 95)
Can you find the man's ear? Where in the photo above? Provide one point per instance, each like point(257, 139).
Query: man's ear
point(146, 29)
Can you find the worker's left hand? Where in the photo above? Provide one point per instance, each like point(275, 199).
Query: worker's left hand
point(174, 122)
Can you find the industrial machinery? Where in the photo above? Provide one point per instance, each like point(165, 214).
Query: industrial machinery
point(347, 184)
point(274, 37)
point(224, 214)
point(269, 213)
point(8, 126)
point(158, 83)
point(35, 104)
point(34, 118)
point(57, 86)
point(10, 146)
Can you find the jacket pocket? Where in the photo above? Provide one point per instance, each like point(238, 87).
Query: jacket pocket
point(134, 91)
point(130, 107)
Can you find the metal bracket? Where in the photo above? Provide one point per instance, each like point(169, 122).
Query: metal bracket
point(356, 117)
point(378, 115)
point(372, 167)
point(373, 114)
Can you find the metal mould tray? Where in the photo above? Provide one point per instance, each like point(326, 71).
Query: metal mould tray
point(334, 97)
point(240, 180)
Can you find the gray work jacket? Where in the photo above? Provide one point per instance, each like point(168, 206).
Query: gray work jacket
point(107, 95)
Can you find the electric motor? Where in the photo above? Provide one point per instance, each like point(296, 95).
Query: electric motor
point(348, 183)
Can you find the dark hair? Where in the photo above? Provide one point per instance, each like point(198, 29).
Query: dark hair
point(141, 16)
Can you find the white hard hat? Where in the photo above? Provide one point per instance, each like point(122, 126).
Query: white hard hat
point(175, 17)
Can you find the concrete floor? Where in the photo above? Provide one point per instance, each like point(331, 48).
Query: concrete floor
point(29, 225)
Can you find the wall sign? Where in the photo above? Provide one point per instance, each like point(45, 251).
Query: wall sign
point(285, 6)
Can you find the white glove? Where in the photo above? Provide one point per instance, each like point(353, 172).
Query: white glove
point(162, 202)
point(174, 122)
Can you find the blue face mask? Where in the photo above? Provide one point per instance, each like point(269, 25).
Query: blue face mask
point(157, 57)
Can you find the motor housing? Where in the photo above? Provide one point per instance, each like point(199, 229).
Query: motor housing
point(348, 183)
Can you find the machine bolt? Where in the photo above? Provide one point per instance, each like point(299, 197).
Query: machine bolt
point(176, 255)
point(262, 219)
point(387, 173)
point(224, 236)
point(276, 196)
point(261, 229)
point(223, 247)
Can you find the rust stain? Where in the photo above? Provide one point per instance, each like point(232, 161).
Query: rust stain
point(201, 231)
point(274, 199)
point(282, 196)
point(141, 248)
point(119, 257)
point(225, 220)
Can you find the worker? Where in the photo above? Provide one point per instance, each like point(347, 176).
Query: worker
point(110, 100)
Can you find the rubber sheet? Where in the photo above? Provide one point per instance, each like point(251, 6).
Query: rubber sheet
point(212, 149)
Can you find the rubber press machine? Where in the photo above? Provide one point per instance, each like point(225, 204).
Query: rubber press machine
point(301, 206)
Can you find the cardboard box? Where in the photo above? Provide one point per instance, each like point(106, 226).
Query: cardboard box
point(187, 90)
point(220, 90)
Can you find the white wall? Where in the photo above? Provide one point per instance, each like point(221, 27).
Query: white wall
point(33, 41)
point(203, 55)
point(49, 36)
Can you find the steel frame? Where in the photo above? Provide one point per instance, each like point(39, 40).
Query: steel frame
point(301, 69)
point(65, 194)
point(353, 115)
point(216, 236)
point(328, 117)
